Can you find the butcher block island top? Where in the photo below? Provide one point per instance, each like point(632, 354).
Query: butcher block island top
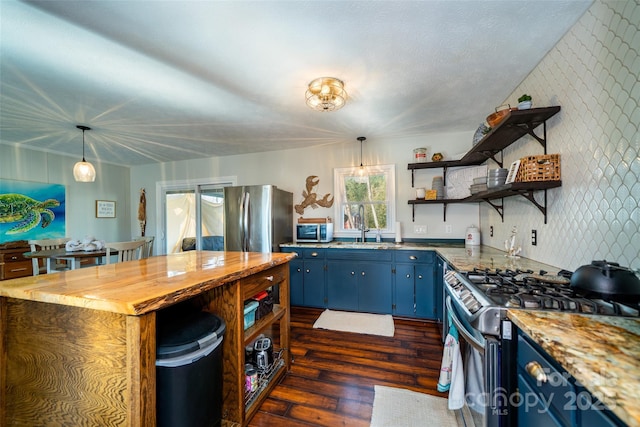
point(79, 347)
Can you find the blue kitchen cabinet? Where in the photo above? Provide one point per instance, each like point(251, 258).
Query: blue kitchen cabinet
point(296, 282)
point(425, 292)
point(555, 399)
point(342, 285)
point(414, 292)
point(359, 280)
point(439, 285)
point(314, 282)
point(308, 277)
point(374, 287)
point(404, 290)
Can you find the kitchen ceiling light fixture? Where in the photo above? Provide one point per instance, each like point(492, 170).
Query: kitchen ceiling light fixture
point(326, 94)
point(84, 171)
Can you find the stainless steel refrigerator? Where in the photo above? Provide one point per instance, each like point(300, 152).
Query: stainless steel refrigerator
point(257, 218)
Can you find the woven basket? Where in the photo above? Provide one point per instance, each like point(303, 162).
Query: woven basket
point(545, 167)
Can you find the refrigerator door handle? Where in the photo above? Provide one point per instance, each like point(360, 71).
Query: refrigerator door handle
point(246, 203)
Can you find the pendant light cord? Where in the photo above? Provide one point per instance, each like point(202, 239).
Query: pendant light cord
point(361, 138)
point(83, 128)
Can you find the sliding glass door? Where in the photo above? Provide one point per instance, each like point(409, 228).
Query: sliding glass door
point(193, 216)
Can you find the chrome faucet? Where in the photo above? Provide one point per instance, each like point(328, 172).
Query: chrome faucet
point(363, 229)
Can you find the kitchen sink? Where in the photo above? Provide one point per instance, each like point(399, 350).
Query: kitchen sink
point(365, 245)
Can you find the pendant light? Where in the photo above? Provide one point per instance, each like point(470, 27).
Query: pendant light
point(84, 171)
point(361, 170)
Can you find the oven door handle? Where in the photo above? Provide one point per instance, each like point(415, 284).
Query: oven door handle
point(462, 330)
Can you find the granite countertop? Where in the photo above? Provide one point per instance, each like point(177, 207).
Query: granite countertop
point(601, 352)
point(457, 255)
point(139, 287)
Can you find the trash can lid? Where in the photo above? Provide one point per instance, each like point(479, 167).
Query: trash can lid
point(184, 334)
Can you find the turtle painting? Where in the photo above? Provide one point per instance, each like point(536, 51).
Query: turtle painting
point(27, 212)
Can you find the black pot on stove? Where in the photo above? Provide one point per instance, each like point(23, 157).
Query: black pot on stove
point(607, 279)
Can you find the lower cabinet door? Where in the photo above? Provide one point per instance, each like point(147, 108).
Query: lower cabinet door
point(296, 282)
point(533, 411)
point(314, 283)
point(404, 291)
point(425, 291)
point(342, 285)
point(374, 287)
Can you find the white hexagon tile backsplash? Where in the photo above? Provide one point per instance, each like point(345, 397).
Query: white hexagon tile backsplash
point(593, 74)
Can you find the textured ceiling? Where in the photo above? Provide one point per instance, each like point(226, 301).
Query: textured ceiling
point(172, 80)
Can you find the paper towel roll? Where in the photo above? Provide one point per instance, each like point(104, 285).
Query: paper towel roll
point(398, 233)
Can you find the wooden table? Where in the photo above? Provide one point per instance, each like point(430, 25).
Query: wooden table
point(73, 258)
point(79, 348)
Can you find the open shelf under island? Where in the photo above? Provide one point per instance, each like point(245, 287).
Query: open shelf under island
point(79, 347)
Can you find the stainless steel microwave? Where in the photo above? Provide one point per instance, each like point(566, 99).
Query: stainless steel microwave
point(321, 233)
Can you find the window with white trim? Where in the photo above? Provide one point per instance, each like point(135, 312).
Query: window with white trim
point(364, 194)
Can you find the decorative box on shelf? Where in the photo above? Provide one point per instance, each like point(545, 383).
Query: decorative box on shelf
point(543, 167)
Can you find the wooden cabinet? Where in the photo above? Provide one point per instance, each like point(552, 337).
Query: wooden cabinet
point(83, 351)
point(308, 282)
point(517, 124)
point(275, 326)
point(550, 396)
point(13, 264)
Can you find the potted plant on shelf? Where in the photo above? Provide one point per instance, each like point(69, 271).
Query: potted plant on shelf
point(524, 102)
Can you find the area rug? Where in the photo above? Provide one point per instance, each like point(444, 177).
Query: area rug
point(361, 323)
point(396, 407)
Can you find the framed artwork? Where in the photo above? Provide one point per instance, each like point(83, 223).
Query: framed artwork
point(105, 209)
point(31, 210)
point(513, 172)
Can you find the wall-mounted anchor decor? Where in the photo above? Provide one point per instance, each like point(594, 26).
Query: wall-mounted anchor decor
point(311, 199)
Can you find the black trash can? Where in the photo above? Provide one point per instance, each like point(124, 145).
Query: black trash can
point(189, 369)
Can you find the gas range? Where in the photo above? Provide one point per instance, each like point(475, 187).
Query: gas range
point(485, 295)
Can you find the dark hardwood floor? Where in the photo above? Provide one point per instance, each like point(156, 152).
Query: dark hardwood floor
point(333, 373)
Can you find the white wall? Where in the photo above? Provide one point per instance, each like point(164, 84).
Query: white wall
point(112, 183)
point(593, 73)
point(289, 169)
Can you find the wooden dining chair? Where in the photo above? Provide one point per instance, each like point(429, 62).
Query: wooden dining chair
point(40, 264)
point(126, 251)
point(147, 249)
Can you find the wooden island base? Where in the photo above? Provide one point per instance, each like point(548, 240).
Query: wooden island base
point(78, 348)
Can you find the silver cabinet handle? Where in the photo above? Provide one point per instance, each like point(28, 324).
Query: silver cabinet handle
point(308, 270)
point(536, 371)
point(353, 273)
point(269, 278)
point(362, 273)
point(408, 276)
point(299, 270)
point(413, 257)
point(314, 254)
point(420, 276)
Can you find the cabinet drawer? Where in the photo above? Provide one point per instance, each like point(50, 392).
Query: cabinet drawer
point(313, 253)
point(556, 390)
point(422, 257)
point(307, 253)
point(14, 256)
point(12, 270)
point(262, 280)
